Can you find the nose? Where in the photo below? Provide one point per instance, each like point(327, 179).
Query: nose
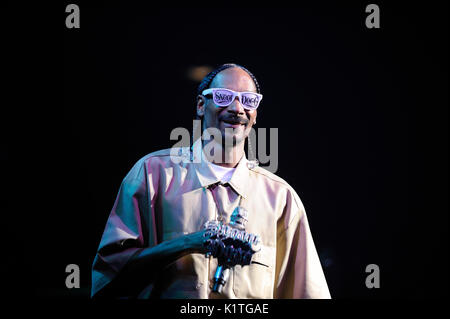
point(236, 107)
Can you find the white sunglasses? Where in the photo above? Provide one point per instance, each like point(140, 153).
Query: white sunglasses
point(224, 97)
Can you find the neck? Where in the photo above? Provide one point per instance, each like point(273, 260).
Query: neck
point(223, 156)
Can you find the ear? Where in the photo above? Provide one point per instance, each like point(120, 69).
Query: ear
point(255, 115)
point(201, 105)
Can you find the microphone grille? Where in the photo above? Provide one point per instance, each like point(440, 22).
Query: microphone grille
point(239, 217)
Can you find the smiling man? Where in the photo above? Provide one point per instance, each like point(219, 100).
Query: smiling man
point(257, 241)
point(223, 91)
point(229, 106)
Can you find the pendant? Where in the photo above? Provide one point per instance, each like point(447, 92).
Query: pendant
point(221, 219)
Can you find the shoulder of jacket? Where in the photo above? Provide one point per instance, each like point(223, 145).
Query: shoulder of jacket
point(264, 173)
point(166, 154)
point(160, 158)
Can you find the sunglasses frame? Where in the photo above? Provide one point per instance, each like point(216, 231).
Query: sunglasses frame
point(238, 94)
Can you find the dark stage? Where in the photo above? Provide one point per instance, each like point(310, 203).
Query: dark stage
point(362, 118)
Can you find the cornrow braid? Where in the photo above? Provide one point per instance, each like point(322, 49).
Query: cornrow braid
point(206, 82)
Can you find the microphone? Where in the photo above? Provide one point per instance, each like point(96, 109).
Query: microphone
point(237, 247)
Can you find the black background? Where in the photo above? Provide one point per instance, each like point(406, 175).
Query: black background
point(362, 118)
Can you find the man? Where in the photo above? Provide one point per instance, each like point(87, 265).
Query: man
point(153, 245)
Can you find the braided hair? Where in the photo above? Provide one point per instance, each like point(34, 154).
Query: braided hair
point(206, 82)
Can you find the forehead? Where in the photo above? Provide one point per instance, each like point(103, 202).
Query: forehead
point(234, 79)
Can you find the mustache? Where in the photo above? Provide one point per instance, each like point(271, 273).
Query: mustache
point(234, 119)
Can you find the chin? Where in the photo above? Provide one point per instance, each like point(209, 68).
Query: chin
point(236, 139)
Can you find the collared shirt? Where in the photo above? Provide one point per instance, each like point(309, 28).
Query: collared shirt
point(222, 173)
point(165, 196)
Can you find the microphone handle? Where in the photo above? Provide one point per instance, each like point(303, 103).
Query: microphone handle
point(220, 278)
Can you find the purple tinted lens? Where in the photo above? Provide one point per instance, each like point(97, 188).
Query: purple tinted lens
point(222, 97)
point(250, 100)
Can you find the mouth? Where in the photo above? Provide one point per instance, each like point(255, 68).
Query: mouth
point(234, 122)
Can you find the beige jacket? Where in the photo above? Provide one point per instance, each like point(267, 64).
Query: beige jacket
point(165, 196)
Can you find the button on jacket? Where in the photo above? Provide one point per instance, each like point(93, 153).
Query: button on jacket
point(167, 194)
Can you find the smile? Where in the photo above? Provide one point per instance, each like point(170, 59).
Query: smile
point(232, 124)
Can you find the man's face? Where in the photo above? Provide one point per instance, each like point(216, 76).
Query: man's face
point(233, 116)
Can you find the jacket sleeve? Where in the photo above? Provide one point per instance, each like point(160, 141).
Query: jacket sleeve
point(299, 272)
point(129, 228)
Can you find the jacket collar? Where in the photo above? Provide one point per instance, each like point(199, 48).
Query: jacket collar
point(206, 177)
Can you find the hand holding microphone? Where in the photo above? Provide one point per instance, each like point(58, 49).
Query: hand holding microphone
point(230, 244)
